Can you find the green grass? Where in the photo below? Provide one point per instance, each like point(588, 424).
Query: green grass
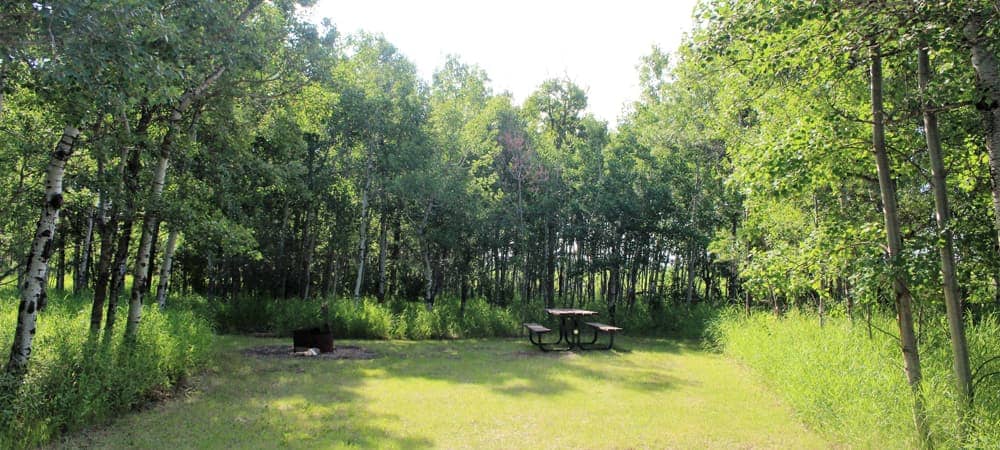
point(851, 387)
point(500, 393)
point(75, 380)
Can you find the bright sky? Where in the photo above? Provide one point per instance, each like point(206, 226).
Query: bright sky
point(521, 43)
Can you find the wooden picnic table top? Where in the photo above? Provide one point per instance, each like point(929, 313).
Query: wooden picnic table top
point(570, 312)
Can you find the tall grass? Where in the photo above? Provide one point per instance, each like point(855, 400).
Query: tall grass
point(75, 380)
point(851, 386)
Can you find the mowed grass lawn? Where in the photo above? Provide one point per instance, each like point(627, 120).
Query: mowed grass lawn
point(465, 394)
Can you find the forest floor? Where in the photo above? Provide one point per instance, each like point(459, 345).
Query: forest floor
point(496, 393)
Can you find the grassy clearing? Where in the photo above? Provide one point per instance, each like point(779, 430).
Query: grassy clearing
point(466, 394)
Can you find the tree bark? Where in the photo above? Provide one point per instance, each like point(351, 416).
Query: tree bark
point(952, 293)
point(106, 227)
point(36, 267)
point(550, 263)
point(988, 84)
point(119, 268)
point(382, 241)
point(82, 277)
point(363, 232)
point(904, 312)
point(151, 268)
point(165, 268)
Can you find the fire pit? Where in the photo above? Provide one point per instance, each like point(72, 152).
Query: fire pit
point(307, 338)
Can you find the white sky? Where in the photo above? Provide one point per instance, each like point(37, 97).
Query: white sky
point(520, 43)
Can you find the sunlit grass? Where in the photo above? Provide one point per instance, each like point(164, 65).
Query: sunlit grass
point(850, 386)
point(466, 394)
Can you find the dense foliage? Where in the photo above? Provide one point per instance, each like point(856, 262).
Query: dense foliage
point(812, 154)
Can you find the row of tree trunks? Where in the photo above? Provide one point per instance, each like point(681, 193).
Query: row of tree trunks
point(141, 273)
point(904, 309)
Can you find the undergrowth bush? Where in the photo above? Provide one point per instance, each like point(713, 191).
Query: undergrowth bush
point(850, 385)
point(367, 319)
point(75, 380)
point(400, 319)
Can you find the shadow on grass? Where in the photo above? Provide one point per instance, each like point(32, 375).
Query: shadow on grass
point(515, 367)
point(252, 402)
point(268, 402)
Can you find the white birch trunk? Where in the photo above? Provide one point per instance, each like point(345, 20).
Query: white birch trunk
point(168, 259)
point(34, 281)
point(988, 83)
point(363, 233)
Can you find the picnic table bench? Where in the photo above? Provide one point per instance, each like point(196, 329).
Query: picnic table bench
point(569, 331)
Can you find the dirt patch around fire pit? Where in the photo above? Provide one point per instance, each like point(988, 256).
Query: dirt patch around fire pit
point(285, 351)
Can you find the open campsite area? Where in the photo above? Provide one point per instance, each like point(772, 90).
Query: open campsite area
point(446, 224)
point(494, 393)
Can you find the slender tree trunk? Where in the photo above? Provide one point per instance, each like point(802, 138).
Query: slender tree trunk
point(60, 244)
point(83, 269)
point(382, 251)
point(107, 227)
point(363, 233)
point(151, 268)
point(168, 259)
point(120, 268)
point(141, 272)
point(34, 285)
point(308, 249)
point(282, 254)
point(397, 238)
point(328, 270)
point(904, 312)
point(952, 293)
point(988, 84)
point(426, 254)
point(550, 263)
point(691, 272)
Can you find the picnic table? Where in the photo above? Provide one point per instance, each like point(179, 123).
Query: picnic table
point(569, 330)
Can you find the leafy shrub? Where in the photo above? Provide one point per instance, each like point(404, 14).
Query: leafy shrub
point(75, 379)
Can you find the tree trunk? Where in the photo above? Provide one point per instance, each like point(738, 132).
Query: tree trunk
point(168, 259)
point(397, 238)
point(282, 268)
point(327, 281)
point(904, 312)
point(308, 248)
point(988, 84)
point(550, 263)
point(36, 267)
point(106, 227)
point(82, 277)
point(382, 251)
point(363, 233)
point(151, 268)
point(691, 267)
point(426, 254)
point(140, 274)
point(60, 244)
point(119, 268)
point(952, 294)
